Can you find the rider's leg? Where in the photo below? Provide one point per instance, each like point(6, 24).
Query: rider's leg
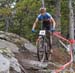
point(51, 42)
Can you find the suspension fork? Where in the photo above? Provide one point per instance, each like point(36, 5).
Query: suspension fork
point(39, 38)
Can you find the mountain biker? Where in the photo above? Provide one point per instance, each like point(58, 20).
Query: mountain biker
point(46, 19)
point(48, 23)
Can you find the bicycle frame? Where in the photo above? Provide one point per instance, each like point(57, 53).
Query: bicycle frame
point(42, 36)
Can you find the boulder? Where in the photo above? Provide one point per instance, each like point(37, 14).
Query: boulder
point(4, 64)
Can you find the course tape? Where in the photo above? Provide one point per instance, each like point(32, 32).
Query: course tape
point(58, 35)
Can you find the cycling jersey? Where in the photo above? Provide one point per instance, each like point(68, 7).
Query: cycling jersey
point(46, 16)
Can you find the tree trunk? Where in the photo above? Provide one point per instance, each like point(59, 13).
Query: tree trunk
point(6, 23)
point(57, 19)
point(74, 16)
point(71, 20)
point(58, 15)
point(71, 24)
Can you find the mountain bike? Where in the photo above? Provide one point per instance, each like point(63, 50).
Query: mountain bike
point(44, 45)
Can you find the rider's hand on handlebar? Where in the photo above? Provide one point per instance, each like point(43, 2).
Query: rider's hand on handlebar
point(33, 30)
point(52, 29)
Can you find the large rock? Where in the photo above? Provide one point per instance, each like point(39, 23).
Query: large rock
point(21, 42)
point(34, 64)
point(15, 64)
point(10, 58)
point(11, 46)
point(30, 47)
point(4, 64)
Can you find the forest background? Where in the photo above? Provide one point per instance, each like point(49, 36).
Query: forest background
point(18, 16)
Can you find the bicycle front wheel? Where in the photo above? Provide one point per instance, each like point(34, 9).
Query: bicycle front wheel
point(42, 50)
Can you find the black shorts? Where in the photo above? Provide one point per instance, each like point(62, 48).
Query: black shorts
point(46, 25)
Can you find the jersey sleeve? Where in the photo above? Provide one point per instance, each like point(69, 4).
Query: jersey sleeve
point(49, 16)
point(39, 17)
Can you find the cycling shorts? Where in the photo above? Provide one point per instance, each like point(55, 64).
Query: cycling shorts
point(46, 25)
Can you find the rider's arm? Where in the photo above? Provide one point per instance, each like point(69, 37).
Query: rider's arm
point(53, 21)
point(34, 25)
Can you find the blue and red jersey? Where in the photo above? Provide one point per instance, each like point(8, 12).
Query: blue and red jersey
point(46, 16)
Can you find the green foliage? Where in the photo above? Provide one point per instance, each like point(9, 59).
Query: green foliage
point(5, 11)
point(64, 17)
point(26, 13)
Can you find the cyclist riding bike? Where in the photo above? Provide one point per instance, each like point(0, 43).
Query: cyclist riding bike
point(48, 23)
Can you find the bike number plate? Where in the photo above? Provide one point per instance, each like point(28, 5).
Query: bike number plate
point(42, 32)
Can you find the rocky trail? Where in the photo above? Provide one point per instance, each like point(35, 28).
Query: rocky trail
point(30, 63)
point(25, 53)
